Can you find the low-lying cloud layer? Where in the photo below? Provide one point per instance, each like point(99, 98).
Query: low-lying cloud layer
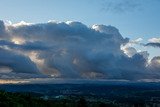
point(71, 50)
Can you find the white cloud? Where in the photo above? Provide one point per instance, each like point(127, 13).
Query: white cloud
point(22, 23)
point(154, 40)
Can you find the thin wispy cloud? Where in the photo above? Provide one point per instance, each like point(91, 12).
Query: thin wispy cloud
point(119, 6)
point(153, 45)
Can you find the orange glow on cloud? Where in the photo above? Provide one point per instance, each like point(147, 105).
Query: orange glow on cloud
point(18, 40)
point(12, 81)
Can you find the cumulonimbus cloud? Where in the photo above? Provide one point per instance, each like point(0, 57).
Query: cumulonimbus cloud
point(71, 50)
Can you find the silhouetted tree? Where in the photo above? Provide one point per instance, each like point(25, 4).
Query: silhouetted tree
point(102, 105)
point(82, 103)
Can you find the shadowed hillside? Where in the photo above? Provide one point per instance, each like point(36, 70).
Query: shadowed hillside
point(9, 99)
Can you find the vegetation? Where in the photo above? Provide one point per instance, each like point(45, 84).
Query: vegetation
point(10, 99)
point(80, 95)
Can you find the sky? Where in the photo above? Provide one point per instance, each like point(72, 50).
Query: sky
point(141, 17)
point(38, 35)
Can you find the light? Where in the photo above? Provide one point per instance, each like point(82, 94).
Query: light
point(18, 41)
point(12, 81)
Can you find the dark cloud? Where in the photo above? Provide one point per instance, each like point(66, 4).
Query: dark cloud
point(153, 44)
point(2, 29)
point(155, 65)
point(18, 63)
point(27, 46)
point(72, 50)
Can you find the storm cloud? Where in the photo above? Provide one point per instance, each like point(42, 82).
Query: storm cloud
point(71, 50)
point(18, 63)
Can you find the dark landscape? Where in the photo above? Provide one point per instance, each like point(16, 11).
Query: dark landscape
point(110, 94)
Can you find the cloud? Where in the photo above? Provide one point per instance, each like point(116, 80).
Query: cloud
point(120, 6)
point(2, 29)
point(154, 66)
point(129, 49)
point(27, 46)
point(153, 42)
point(71, 50)
point(18, 63)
